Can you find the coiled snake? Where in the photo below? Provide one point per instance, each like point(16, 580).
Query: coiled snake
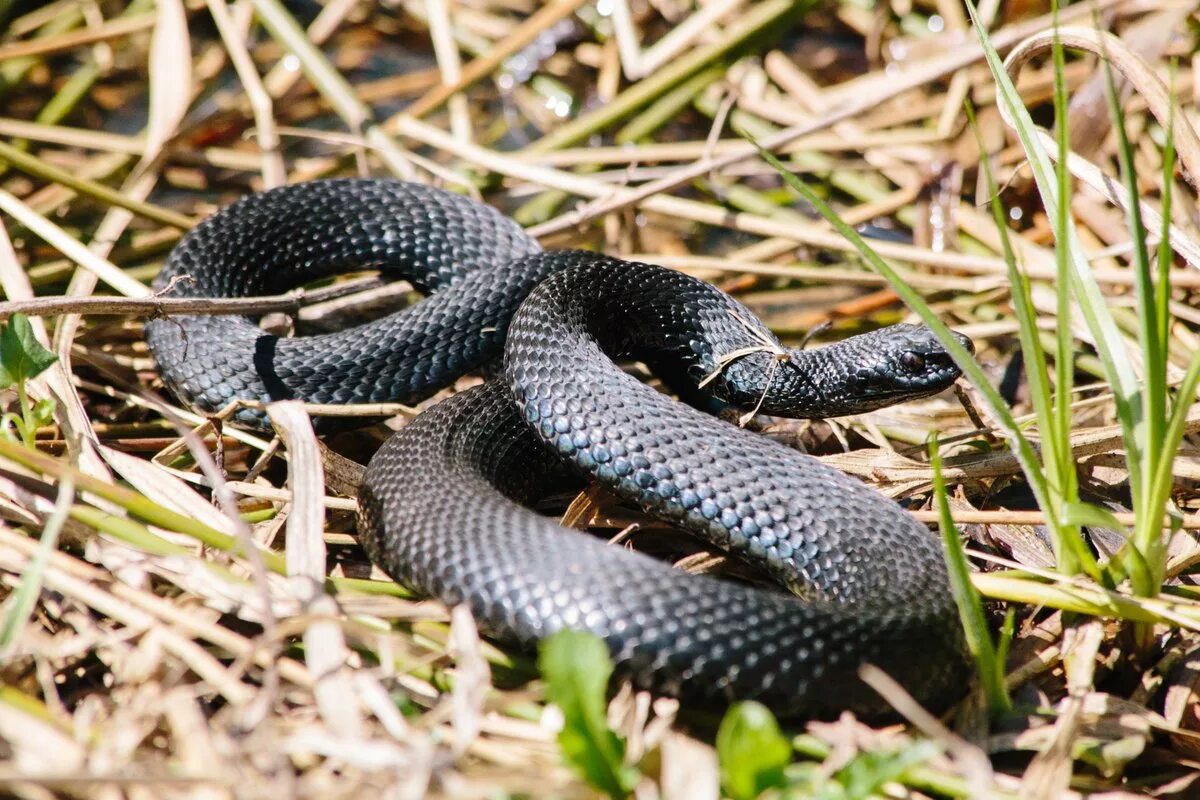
point(441, 506)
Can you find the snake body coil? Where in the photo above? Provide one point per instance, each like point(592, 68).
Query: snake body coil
point(440, 508)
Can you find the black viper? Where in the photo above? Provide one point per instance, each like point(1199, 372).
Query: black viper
point(440, 508)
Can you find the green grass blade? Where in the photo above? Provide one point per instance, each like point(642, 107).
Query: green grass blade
point(1163, 476)
point(1067, 545)
point(1110, 345)
point(1034, 354)
point(1165, 255)
point(1058, 438)
point(20, 603)
point(1022, 449)
point(1154, 404)
point(970, 607)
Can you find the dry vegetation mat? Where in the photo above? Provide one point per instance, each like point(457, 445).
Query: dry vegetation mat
point(186, 611)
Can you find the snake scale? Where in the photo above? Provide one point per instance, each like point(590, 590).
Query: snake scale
point(443, 505)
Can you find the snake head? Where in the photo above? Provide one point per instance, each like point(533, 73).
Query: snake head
point(863, 373)
point(903, 362)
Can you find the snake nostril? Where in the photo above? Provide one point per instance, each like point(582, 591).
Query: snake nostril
point(966, 342)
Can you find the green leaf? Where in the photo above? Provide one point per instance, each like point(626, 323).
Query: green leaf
point(576, 668)
point(752, 751)
point(1093, 516)
point(43, 411)
point(868, 773)
point(21, 355)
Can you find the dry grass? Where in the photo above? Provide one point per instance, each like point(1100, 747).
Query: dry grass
point(186, 642)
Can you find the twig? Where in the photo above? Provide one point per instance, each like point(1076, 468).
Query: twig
point(98, 191)
point(446, 52)
point(330, 83)
point(69, 41)
point(483, 66)
point(71, 248)
point(290, 303)
point(273, 171)
point(1002, 517)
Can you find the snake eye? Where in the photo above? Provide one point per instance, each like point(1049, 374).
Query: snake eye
point(912, 361)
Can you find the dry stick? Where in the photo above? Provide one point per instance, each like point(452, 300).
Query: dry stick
point(1158, 100)
point(274, 172)
point(341, 409)
point(69, 41)
point(331, 84)
point(859, 102)
point(222, 157)
point(286, 496)
point(153, 307)
point(71, 137)
point(282, 77)
point(70, 247)
point(828, 274)
point(898, 468)
point(696, 211)
point(31, 22)
point(325, 647)
point(629, 51)
point(644, 153)
point(1133, 67)
point(481, 67)
point(445, 50)
point(976, 517)
point(681, 36)
point(292, 302)
point(40, 169)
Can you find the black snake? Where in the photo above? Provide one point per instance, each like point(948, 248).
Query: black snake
point(441, 506)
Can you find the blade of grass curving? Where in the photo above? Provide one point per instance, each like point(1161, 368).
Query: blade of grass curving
point(1080, 514)
point(1028, 334)
point(1147, 537)
point(1163, 475)
point(1059, 436)
point(1154, 385)
point(1023, 450)
point(966, 597)
point(1172, 437)
point(1080, 599)
point(1036, 370)
point(1110, 346)
point(1166, 255)
point(17, 609)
